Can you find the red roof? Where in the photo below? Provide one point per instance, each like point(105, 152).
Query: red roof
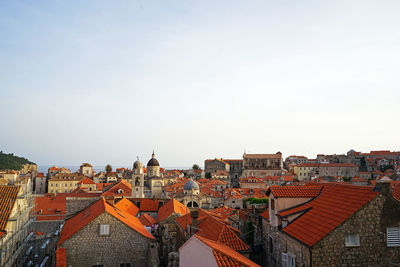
point(76, 223)
point(171, 207)
point(184, 221)
point(294, 191)
point(224, 211)
point(147, 220)
point(225, 256)
point(265, 214)
point(148, 204)
point(87, 181)
point(327, 211)
point(61, 260)
point(122, 188)
point(8, 197)
point(216, 230)
point(127, 206)
point(50, 207)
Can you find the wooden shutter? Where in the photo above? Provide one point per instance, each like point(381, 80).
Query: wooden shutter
point(393, 236)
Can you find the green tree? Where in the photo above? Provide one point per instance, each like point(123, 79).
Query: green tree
point(108, 168)
point(208, 175)
point(195, 167)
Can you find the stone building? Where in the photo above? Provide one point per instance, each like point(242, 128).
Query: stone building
point(104, 235)
point(305, 171)
point(86, 169)
point(234, 167)
point(64, 183)
point(344, 225)
point(15, 224)
point(262, 165)
point(40, 183)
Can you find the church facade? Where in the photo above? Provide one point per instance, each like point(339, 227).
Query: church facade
point(149, 184)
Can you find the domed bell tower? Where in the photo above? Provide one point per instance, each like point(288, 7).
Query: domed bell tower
point(137, 181)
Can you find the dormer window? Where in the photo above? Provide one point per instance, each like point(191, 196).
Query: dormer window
point(120, 191)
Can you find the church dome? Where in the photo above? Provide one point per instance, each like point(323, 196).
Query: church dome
point(190, 185)
point(153, 162)
point(137, 164)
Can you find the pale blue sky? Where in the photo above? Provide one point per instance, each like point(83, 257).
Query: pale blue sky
point(105, 81)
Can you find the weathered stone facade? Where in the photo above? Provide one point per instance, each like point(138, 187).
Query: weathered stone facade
point(123, 245)
point(261, 165)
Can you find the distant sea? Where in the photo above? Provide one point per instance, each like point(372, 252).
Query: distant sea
point(74, 168)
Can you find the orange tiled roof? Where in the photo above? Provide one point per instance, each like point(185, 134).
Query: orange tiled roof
point(225, 256)
point(216, 230)
point(87, 181)
point(172, 206)
point(54, 168)
point(127, 206)
point(125, 186)
point(294, 191)
point(224, 211)
point(76, 223)
point(147, 220)
point(50, 207)
point(148, 204)
point(330, 209)
point(8, 195)
point(184, 221)
point(265, 214)
point(61, 260)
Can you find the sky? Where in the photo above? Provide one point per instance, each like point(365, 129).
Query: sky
point(107, 81)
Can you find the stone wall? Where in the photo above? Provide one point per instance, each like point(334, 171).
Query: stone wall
point(370, 223)
point(77, 204)
point(122, 245)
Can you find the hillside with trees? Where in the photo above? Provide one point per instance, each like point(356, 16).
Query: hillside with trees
point(12, 162)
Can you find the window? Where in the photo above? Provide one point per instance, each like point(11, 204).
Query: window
point(393, 236)
point(272, 204)
point(270, 245)
point(98, 265)
point(352, 240)
point(125, 265)
point(288, 260)
point(104, 229)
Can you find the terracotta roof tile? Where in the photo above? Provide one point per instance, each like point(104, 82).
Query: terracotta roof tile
point(50, 207)
point(225, 256)
point(327, 211)
point(123, 185)
point(148, 204)
point(265, 214)
point(295, 191)
point(8, 195)
point(215, 230)
point(184, 221)
point(147, 220)
point(61, 259)
point(171, 207)
point(127, 206)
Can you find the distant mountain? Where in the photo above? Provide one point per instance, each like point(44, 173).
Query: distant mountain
point(11, 162)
